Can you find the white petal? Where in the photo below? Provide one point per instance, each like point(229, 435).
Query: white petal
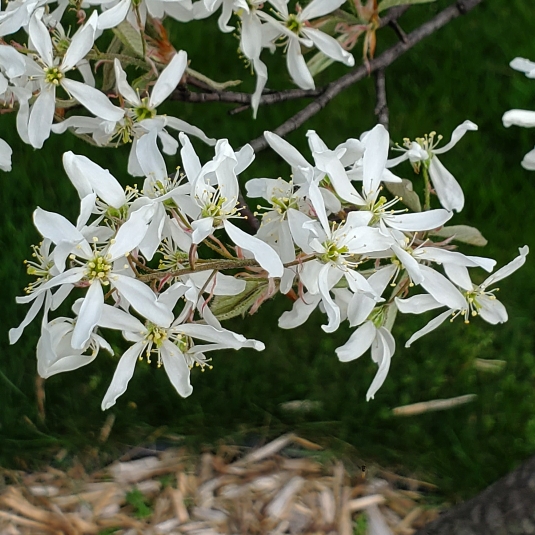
point(168, 79)
point(142, 299)
point(383, 348)
point(264, 254)
point(202, 228)
point(428, 220)
point(417, 304)
point(491, 310)
point(89, 315)
point(375, 156)
point(456, 135)
point(176, 368)
point(459, 275)
point(132, 232)
point(297, 66)
point(329, 46)
point(123, 374)
point(328, 163)
point(114, 16)
point(59, 229)
point(318, 8)
point(442, 289)
point(149, 156)
point(506, 270)
point(449, 191)
point(431, 326)
point(331, 308)
point(519, 118)
point(190, 160)
point(358, 343)
point(528, 162)
point(16, 332)
point(244, 158)
point(5, 156)
point(409, 263)
point(115, 318)
point(300, 312)
point(88, 176)
point(301, 232)
point(41, 117)
point(81, 43)
point(183, 126)
point(40, 37)
point(95, 101)
point(123, 86)
point(287, 151)
point(523, 65)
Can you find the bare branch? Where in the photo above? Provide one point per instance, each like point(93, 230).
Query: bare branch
point(381, 107)
point(402, 36)
point(381, 62)
point(209, 94)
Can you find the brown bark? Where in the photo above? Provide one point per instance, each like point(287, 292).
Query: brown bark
point(505, 508)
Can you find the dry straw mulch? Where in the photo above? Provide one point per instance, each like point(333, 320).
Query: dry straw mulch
point(276, 489)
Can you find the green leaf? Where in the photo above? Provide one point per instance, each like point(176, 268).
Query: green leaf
point(404, 190)
point(387, 4)
point(225, 307)
point(130, 38)
point(108, 71)
point(462, 233)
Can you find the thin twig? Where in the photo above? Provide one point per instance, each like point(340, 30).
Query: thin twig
point(402, 36)
point(381, 107)
point(381, 62)
point(274, 97)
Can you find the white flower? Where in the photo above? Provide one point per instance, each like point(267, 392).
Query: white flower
point(338, 250)
point(215, 190)
point(522, 117)
point(96, 268)
point(172, 345)
point(51, 73)
point(374, 160)
point(55, 353)
point(294, 28)
point(424, 151)
point(142, 116)
point(477, 300)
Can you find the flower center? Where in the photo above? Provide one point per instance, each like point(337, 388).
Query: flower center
point(98, 269)
point(293, 23)
point(144, 111)
point(53, 75)
point(333, 253)
point(155, 335)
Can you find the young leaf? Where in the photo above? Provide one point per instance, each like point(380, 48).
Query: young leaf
point(462, 233)
point(404, 190)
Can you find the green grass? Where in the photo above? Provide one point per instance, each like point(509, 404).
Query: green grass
point(459, 73)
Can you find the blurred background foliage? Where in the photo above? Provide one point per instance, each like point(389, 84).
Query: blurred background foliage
point(460, 72)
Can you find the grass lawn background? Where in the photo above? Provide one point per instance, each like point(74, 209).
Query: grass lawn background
point(460, 72)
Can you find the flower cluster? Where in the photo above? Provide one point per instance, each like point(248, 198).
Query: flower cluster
point(329, 236)
point(165, 265)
